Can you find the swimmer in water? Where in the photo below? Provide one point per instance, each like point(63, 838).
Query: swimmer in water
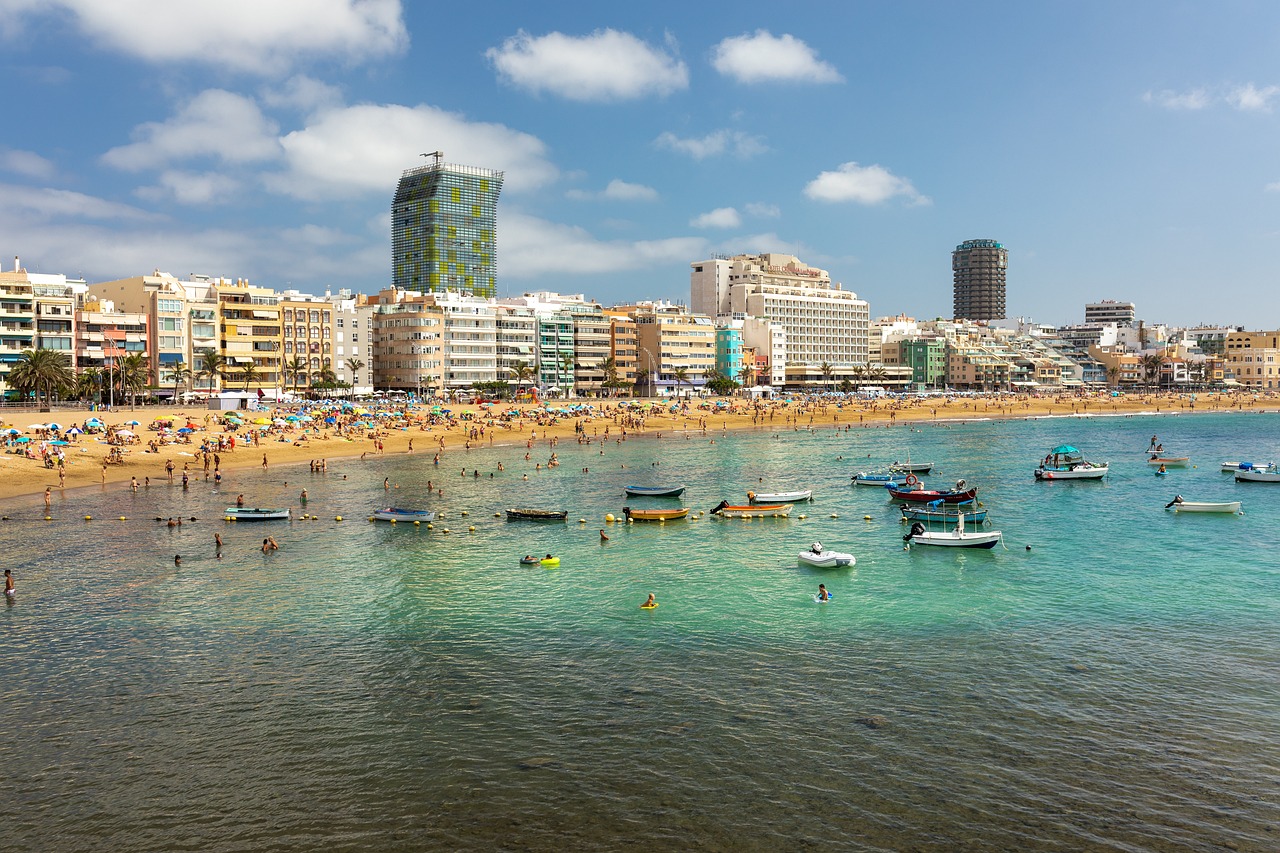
point(823, 595)
point(650, 602)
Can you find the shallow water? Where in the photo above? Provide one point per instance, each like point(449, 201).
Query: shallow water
point(380, 687)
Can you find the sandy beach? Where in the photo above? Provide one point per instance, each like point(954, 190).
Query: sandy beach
point(418, 431)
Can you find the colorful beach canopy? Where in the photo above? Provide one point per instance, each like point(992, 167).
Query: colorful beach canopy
point(1065, 448)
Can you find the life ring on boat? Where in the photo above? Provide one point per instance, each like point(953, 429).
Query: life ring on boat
point(912, 479)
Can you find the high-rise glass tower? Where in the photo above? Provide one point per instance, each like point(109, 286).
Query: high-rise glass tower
point(978, 273)
point(444, 229)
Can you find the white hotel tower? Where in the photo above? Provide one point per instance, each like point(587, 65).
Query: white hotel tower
point(823, 322)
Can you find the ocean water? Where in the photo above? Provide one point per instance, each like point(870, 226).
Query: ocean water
point(1114, 687)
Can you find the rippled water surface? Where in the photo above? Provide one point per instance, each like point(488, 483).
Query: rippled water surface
point(379, 687)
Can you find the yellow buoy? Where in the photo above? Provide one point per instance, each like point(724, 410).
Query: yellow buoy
point(471, 529)
point(88, 518)
point(497, 515)
point(430, 526)
point(608, 516)
point(417, 523)
point(868, 518)
point(446, 530)
point(371, 518)
point(122, 518)
point(337, 518)
point(833, 515)
point(48, 518)
point(464, 512)
point(802, 516)
point(582, 521)
point(393, 521)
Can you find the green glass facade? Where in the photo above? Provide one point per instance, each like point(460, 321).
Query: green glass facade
point(444, 229)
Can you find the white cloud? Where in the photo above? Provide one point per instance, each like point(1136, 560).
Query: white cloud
point(245, 35)
point(735, 142)
point(1194, 99)
point(764, 243)
point(533, 247)
point(721, 217)
point(363, 149)
point(862, 184)
point(1250, 98)
point(1273, 187)
point(617, 190)
point(191, 188)
point(607, 65)
point(763, 211)
point(26, 163)
point(764, 57)
point(216, 123)
point(303, 93)
point(42, 204)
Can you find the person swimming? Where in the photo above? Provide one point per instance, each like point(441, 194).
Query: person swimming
point(823, 595)
point(650, 602)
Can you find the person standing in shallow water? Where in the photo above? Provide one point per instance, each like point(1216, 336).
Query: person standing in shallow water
point(10, 591)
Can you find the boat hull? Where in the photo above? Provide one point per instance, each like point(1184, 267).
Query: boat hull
point(1093, 472)
point(654, 491)
point(825, 560)
point(865, 478)
point(910, 513)
point(912, 467)
point(654, 514)
point(1231, 507)
point(753, 511)
point(779, 497)
point(958, 540)
point(396, 514)
point(243, 514)
point(1258, 476)
point(536, 515)
point(1171, 461)
point(927, 495)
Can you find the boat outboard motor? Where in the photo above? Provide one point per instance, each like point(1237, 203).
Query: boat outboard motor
point(960, 485)
point(719, 507)
point(1177, 499)
point(626, 511)
point(916, 530)
point(816, 548)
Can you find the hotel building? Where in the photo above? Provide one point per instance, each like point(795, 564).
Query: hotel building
point(978, 280)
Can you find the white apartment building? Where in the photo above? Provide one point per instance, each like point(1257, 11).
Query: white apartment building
point(823, 322)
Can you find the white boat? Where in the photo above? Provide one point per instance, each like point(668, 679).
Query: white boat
point(392, 513)
point(1258, 474)
point(1232, 467)
point(1180, 505)
point(727, 510)
point(820, 558)
point(1064, 462)
point(1170, 461)
point(910, 467)
point(242, 513)
point(957, 537)
point(779, 497)
point(880, 478)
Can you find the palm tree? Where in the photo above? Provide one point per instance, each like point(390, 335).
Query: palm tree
point(521, 372)
point(566, 360)
point(89, 382)
point(295, 367)
point(746, 375)
point(42, 370)
point(354, 364)
point(212, 365)
point(180, 374)
point(680, 375)
point(248, 374)
point(609, 365)
point(858, 375)
point(826, 369)
point(1113, 375)
point(1151, 364)
point(134, 375)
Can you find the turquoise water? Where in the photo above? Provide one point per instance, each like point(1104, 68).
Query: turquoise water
point(379, 687)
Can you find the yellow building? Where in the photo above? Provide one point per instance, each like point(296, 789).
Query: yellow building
point(251, 336)
point(1254, 357)
point(307, 339)
point(622, 348)
point(676, 349)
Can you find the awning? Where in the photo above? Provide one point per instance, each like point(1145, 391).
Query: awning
point(240, 359)
point(170, 357)
point(265, 315)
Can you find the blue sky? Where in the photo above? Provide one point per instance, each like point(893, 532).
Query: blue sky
point(1119, 150)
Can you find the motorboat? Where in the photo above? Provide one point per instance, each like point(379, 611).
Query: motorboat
point(959, 494)
point(1171, 461)
point(1258, 474)
point(1065, 462)
point(942, 513)
point(779, 497)
point(727, 510)
point(654, 491)
point(537, 514)
point(883, 478)
point(910, 467)
point(1180, 505)
point(820, 558)
point(393, 513)
point(655, 514)
point(243, 513)
point(957, 537)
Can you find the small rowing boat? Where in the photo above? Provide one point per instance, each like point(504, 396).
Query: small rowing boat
point(242, 513)
point(951, 496)
point(1171, 461)
point(955, 538)
point(1180, 505)
point(942, 513)
point(910, 467)
point(397, 514)
point(884, 478)
point(537, 514)
point(726, 510)
point(655, 514)
point(654, 491)
point(779, 497)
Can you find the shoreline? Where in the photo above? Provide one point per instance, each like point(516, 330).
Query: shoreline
point(23, 477)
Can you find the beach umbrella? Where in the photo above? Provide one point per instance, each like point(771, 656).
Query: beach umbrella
point(22, 440)
point(36, 427)
point(331, 420)
point(261, 421)
point(184, 430)
point(13, 431)
point(55, 427)
point(60, 443)
point(131, 423)
point(128, 433)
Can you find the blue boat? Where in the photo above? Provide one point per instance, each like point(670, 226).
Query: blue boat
point(884, 478)
point(938, 511)
point(654, 491)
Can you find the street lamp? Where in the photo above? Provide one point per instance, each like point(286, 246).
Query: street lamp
point(653, 369)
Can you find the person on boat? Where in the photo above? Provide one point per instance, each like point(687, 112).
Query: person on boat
point(823, 595)
point(650, 602)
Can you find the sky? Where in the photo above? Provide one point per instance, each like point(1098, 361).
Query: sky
point(1121, 151)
